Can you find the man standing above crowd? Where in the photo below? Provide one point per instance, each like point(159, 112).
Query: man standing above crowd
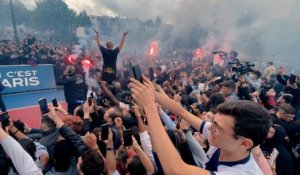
point(110, 55)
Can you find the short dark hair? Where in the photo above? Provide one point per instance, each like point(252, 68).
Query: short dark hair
point(214, 100)
point(62, 155)
point(92, 163)
point(117, 113)
point(288, 98)
point(287, 108)
point(48, 121)
point(229, 84)
point(251, 120)
point(257, 73)
point(136, 167)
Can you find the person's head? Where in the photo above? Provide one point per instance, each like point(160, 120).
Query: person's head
point(75, 123)
point(62, 155)
point(116, 118)
point(134, 166)
point(286, 112)
point(233, 54)
point(70, 69)
point(117, 85)
point(255, 75)
point(242, 78)
point(239, 126)
point(214, 100)
point(47, 123)
point(109, 45)
point(113, 111)
point(285, 99)
point(90, 163)
point(228, 87)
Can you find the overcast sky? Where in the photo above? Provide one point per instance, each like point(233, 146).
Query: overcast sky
point(255, 27)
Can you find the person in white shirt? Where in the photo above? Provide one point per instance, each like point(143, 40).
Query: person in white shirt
point(236, 129)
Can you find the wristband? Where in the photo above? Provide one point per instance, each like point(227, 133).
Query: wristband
point(110, 149)
point(15, 132)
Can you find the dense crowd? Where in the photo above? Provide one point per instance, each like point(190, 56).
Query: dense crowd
point(192, 116)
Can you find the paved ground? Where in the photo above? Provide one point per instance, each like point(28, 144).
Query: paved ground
point(24, 106)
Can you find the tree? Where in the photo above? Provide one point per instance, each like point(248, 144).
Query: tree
point(22, 14)
point(55, 15)
point(149, 23)
point(83, 20)
point(157, 21)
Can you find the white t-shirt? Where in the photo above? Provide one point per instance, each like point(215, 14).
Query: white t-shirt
point(246, 166)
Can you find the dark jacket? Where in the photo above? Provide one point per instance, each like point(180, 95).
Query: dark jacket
point(75, 88)
point(74, 139)
point(46, 138)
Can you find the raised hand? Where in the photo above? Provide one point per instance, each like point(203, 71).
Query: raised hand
point(96, 31)
point(125, 33)
point(90, 140)
point(143, 94)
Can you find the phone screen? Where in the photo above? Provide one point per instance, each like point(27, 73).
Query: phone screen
point(137, 73)
point(127, 137)
point(4, 118)
point(90, 100)
point(104, 131)
point(43, 106)
point(151, 73)
point(54, 103)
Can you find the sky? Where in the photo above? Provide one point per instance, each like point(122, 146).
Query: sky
point(255, 28)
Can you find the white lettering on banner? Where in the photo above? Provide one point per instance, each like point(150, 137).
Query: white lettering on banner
point(27, 73)
point(34, 81)
point(6, 83)
point(17, 81)
point(21, 82)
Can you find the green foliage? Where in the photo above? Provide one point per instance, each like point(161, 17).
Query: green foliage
point(83, 20)
point(54, 16)
point(22, 14)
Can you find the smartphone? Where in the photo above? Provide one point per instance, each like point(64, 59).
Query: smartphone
point(4, 118)
point(127, 137)
point(90, 100)
point(43, 106)
point(137, 73)
point(273, 157)
point(292, 79)
point(151, 73)
point(104, 131)
point(54, 103)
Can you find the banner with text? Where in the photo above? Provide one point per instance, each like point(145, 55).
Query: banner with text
point(22, 78)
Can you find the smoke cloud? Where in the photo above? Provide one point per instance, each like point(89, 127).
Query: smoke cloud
point(258, 30)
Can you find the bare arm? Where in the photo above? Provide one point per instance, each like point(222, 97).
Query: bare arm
point(261, 161)
point(143, 157)
point(110, 164)
point(171, 162)
point(109, 94)
point(123, 40)
point(176, 108)
point(97, 38)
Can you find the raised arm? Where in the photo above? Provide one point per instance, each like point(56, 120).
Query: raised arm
point(170, 160)
point(176, 108)
point(123, 40)
point(143, 157)
point(22, 161)
point(97, 38)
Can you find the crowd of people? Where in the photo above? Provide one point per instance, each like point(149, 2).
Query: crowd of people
point(187, 116)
